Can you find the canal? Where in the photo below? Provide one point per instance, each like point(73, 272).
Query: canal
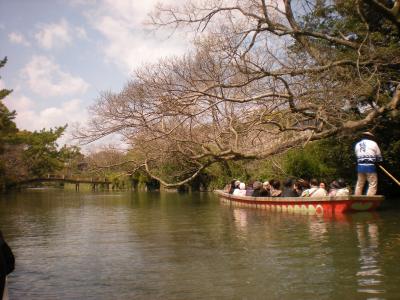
point(136, 245)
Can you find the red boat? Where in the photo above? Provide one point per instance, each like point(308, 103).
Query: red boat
point(327, 206)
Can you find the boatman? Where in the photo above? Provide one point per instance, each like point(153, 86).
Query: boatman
point(368, 154)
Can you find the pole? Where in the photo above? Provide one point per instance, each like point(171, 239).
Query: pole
point(390, 175)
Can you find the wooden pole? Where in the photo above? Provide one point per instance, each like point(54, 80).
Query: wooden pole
point(390, 175)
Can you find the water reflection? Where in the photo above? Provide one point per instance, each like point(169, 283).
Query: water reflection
point(318, 229)
point(370, 277)
point(150, 246)
point(240, 217)
point(323, 245)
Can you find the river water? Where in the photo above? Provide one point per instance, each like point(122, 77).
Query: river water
point(190, 246)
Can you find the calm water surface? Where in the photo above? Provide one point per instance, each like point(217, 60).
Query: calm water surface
point(151, 245)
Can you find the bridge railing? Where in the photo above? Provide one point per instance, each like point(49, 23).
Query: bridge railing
point(77, 178)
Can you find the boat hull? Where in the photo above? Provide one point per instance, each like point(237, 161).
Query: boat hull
point(306, 205)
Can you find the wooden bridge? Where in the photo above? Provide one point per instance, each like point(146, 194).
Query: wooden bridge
point(94, 182)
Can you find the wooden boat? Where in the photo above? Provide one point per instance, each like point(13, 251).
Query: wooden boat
point(326, 206)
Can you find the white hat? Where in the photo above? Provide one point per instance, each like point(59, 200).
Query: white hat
point(367, 133)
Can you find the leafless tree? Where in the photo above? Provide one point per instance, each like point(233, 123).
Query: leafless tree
point(262, 77)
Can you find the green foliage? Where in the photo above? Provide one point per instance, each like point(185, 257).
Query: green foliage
point(7, 125)
point(326, 160)
point(316, 160)
point(41, 154)
point(7, 130)
point(387, 134)
point(28, 154)
point(4, 93)
point(268, 169)
point(302, 164)
point(218, 175)
point(173, 167)
point(3, 62)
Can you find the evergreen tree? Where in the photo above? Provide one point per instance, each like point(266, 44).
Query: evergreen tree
point(7, 125)
point(25, 154)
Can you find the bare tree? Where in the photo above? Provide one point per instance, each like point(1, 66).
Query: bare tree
point(263, 76)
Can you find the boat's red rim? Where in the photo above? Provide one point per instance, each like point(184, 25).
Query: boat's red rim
point(301, 199)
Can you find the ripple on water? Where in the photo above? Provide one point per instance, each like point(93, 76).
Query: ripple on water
point(150, 246)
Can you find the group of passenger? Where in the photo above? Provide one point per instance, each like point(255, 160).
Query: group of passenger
point(289, 188)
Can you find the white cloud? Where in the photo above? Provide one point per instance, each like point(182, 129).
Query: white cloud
point(69, 112)
point(58, 35)
point(18, 103)
point(80, 32)
point(81, 2)
point(128, 43)
point(54, 35)
point(18, 38)
point(46, 78)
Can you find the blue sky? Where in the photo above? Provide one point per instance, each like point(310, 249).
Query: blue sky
point(62, 54)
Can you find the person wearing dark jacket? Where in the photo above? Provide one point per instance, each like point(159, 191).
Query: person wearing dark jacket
point(275, 188)
point(264, 192)
point(232, 186)
point(257, 186)
point(7, 263)
point(288, 189)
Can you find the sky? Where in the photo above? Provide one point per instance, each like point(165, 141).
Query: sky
point(63, 53)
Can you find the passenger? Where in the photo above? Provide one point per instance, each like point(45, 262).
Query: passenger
point(257, 186)
point(237, 182)
point(249, 189)
point(297, 188)
point(275, 188)
point(314, 190)
point(300, 186)
point(232, 186)
point(265, 190)
point(322, 185)
point(343, 189)
point(227, 187)
point(333, 187)
point(289, 189)
point(271, 182)
point(241, 191)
